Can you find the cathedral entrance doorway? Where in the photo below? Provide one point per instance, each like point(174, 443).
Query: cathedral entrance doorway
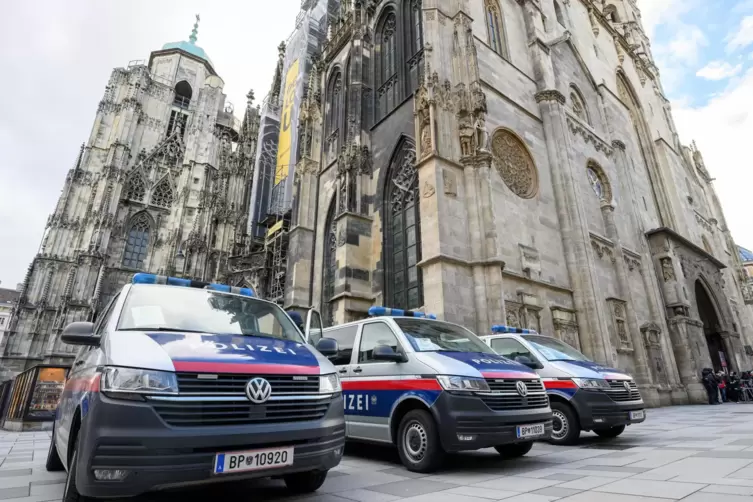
point(711, 329)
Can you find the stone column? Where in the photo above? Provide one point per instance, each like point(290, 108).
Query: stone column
point(728, 340)
point(642, 374)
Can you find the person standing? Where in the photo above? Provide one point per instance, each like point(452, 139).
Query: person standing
point(709, 383)
point(722, 384)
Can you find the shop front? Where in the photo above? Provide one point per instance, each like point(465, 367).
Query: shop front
point(33, 398)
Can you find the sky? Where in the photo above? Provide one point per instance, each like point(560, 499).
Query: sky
point(57, 58)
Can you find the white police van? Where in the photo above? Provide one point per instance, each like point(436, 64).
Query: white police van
point(432, 387)
point(584, 395)
point(182, 383)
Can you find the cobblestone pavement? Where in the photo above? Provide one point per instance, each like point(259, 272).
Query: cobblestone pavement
point(689, 453)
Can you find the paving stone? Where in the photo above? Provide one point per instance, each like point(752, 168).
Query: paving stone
point(729, 490)
point(517, 484)
point(411, 488)
point(362, 495)
point(562, 476)
point(485, 493)
point(14, 472)
point(648, 488)
point(15, 492)
point(402, 471)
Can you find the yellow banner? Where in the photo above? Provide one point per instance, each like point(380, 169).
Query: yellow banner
point(286, 124)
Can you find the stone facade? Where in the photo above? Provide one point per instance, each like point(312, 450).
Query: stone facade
point(161, 185)
point(517, 161)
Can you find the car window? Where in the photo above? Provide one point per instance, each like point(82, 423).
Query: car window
point(373, 334)
point(104, 318)
point(511, 348)
point(345, 338)
point(553, 349)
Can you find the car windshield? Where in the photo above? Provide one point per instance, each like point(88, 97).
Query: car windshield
point(171, 308)
point(433, 336)
point(553, 349)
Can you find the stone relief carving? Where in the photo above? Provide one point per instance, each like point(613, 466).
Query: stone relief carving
point(450, 182)
point(423, 117)
point(429, 190)
point(577, 128)
point(514, 164)
point(668, 271)
point(618, 309)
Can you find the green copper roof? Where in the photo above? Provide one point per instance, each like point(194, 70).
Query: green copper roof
point(190, 46)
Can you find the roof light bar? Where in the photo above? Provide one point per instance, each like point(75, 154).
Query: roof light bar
point(500, 328)
point(386, 311)
point(142, 278)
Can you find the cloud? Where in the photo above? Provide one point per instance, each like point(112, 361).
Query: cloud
point(687, 42)
point(656, 12)
point(722, 129)
point(743, 37)
point(719, 70)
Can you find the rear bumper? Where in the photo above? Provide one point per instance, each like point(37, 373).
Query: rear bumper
point(131, 436)
point(596, 410)
point(467, 417)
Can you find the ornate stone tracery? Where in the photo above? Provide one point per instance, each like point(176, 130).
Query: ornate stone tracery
point(514, 163)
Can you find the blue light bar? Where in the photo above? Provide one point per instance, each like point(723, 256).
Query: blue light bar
point(142, 278)
point(386, 311)
point(500, 328)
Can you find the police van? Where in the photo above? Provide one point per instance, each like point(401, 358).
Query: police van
point(180, 383)
point(584, 395)
point(432, 387)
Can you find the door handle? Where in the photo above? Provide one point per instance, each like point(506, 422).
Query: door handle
point(78, 363)
point(357, 370)
point(343, 370)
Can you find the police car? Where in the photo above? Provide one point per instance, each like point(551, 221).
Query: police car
point(432, 387)
point(181, 383)
point(584, 395)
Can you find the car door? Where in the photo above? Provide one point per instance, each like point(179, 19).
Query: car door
point(345, 336)
point(375, 393)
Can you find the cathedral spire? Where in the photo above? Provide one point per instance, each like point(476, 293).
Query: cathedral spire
point(195, 31)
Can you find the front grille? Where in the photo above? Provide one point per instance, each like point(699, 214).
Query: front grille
point(184, 413)
point(504, 395)
point(619, 393)
point(202, 384)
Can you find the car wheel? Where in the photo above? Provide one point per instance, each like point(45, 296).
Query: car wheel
point(612, 432)
point(565, 426)
point(305, 482)
point(53, 463)
point(514, 450)
point(71, 493)
point(418, 442)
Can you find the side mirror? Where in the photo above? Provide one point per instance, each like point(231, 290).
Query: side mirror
point(386, 353)
point(313, 327)
point(327, 347)
point(525, 360)
point(80, 333)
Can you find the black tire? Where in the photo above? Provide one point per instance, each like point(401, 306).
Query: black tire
point(71, 494)
point(514, 450)
point(418, 442)
point(53, 463)
point(565, 426)
point(305, 482)
point(612, 432)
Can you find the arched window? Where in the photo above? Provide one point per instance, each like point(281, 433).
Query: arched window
point(414, 42)
point(558, 13)
point(386, 65)
point(137, 242)
point(610, 12)
point(402, 232)
point(334, 102)
point(599, 182)
point(162, 195)
point(134, 189)
point(579, 105)
point(183, 93)
point(495, 28)
point(330, 264)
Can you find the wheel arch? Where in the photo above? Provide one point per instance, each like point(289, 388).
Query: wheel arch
point(402, 407)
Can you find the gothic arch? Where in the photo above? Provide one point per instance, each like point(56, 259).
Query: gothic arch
point(610, 12)
point(495, 28)
point(138, 238)
point(135, 186)
point(578, 105)
point(413, 43)
point(599, 181)
point(401, 251)
point(163, 194)
point(386, 62)
point(329, 263)
point(334, 100)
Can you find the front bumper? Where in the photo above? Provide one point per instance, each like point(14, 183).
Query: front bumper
point(131, 436)
point(481, 427)
point(596, 410)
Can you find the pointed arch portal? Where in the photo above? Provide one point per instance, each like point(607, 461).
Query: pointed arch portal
point(720, 358)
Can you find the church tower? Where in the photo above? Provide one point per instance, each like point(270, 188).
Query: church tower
point(161, 185)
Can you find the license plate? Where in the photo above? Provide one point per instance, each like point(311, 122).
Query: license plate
point(527, 431)
point(252, 460)
point(637, 415)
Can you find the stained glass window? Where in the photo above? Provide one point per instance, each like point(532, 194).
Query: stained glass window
point(330, 266)
point(137, 242)
point(387, 88)
point(414, 43)
point(495, 28)
point(596, 184)
point(162, 195)
point(334, 96)
point(403, 233)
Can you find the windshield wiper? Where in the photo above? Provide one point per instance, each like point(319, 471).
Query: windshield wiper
point(162, 328)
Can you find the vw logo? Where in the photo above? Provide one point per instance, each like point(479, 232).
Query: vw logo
point(627, 385)
point(520, 386)
point(258, 390)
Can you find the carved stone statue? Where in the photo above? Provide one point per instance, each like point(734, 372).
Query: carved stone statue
point(482, 136)
point(667, 270)
point(466, 132)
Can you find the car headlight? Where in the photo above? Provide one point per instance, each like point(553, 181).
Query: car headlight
point(591, 383)
point(131, 383)
point(330, 384)
point(466, 384)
